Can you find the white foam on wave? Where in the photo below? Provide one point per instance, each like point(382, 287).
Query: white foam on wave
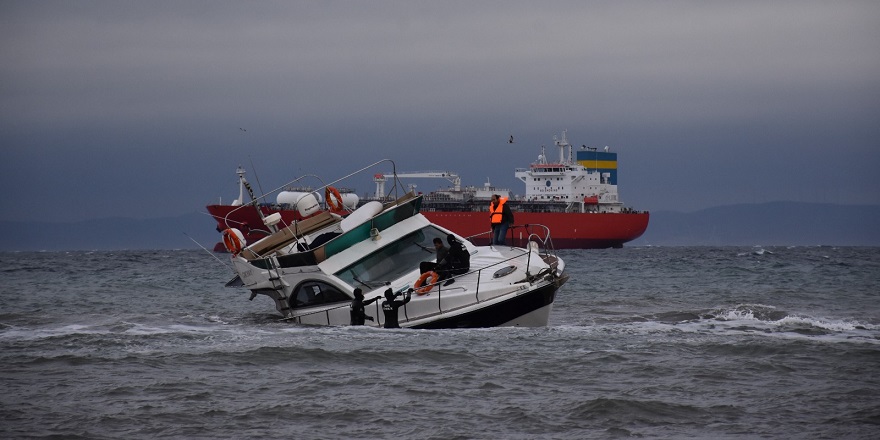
point(744, 319)
point(832, 325)
point(758, 251)
point(127, 328)
point(25, 333)
point(761, 314)
point(767, 320)
point(146, 330)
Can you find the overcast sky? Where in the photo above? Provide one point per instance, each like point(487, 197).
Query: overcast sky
point(134, 109)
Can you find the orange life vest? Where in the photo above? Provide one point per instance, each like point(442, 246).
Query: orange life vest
point(495, 213)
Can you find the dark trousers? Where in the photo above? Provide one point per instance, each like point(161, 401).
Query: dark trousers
point(499, 233)
point(429, 266)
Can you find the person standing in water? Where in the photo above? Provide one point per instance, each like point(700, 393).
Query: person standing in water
point(358, 315)
point(390, 306)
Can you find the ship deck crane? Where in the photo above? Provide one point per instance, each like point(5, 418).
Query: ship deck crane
point(380, 179)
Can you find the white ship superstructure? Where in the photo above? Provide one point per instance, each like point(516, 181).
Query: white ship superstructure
point(582, 187)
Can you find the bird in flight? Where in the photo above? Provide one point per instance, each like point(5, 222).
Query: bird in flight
point(241, 129)
point(510, 141)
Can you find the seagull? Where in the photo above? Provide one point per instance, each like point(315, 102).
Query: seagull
point(510, 141)
point(241, 129)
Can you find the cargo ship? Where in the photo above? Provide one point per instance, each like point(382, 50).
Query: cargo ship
point(575, 196)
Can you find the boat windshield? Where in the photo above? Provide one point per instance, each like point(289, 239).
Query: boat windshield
point(393, 261)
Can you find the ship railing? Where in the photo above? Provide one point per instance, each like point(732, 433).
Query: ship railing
point(480, 273)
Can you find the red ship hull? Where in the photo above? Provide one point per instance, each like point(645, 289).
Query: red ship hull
point(567, 230)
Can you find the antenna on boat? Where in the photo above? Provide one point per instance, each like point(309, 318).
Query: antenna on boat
point(243, 183)
point(209, 252)
point(256, 176)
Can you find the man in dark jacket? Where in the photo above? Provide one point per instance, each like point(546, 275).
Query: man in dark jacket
point(459, 258)
point(390, 306)
point(358, 315)
point(442, 263)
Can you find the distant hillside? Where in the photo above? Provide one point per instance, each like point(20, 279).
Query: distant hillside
point(775, 223)
point(110, 234)
point(767, 224)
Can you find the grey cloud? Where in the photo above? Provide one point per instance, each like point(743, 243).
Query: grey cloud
point(378, 79)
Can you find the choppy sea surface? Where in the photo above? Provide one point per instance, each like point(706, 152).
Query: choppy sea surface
point(645, 342)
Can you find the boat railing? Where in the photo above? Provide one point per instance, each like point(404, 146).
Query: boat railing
point(263, 200)
point(534, 232)
point(229, 223)
point(530, 278)
point(288, 233)
point(259, 202)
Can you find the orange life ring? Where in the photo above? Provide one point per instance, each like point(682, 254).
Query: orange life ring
point(423, 289)
point(330, 193)
point(233, 239)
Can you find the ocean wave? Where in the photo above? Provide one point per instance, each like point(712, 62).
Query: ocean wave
point(757, 319)
point(770, 315)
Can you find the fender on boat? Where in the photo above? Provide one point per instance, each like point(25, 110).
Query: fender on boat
point(362, 214)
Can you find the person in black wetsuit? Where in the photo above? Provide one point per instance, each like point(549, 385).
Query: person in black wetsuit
point(459, 258)
point(390, 306)
point(358, 315)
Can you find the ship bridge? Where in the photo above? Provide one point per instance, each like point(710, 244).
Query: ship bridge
point(591, 181)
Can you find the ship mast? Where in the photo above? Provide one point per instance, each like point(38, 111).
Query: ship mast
point(243, 185)
point(562, 144)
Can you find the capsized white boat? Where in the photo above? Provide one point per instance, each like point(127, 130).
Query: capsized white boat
point(311, 267)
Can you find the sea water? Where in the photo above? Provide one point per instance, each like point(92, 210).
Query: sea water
point(648, 342)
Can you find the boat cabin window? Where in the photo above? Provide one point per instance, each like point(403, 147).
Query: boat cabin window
point(394, 260)
point(312, 293)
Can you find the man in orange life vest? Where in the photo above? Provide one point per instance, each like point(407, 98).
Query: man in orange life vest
point(501, 218)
